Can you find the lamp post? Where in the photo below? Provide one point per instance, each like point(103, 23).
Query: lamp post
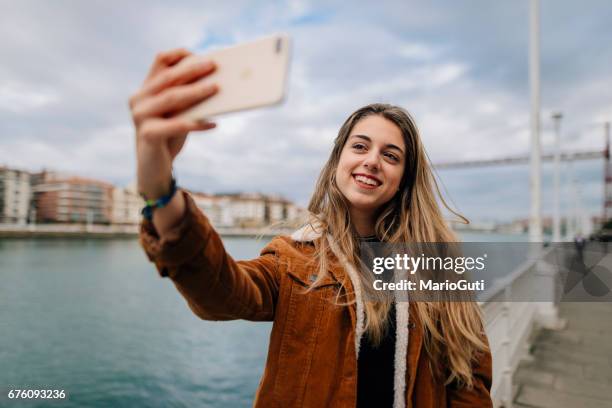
point(535, 219)
point(556, 179)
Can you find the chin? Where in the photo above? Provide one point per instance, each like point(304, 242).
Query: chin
point(362, 205)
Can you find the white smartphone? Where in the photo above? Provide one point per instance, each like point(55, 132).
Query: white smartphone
point(249, 75)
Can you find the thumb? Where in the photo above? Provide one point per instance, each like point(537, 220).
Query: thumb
point(175, 144)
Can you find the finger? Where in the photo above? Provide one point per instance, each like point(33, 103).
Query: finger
point(173, 100)
point(175, 144)
point(163, 60)
point(205, 125)
point(167, 59)
point(157, 130)
point(187, 71)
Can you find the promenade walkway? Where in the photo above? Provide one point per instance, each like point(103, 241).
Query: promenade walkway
point(571, 367)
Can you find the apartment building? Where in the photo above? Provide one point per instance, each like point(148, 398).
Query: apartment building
point(68, 199)
point(210, 205)
point(14, 195)
point(278, 209)
point(245, 210)
point(221, 210)
point(52, 197)
point(126, 205)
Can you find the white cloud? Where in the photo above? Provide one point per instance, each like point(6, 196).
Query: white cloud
point(19, 97)
point(460, 69)
point(447, 73)
point(416, 51)
point(488, 107)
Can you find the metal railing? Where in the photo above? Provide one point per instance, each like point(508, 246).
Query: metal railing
point(510, 324)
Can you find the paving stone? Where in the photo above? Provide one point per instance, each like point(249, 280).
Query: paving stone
point(570, 367)
point(564, 337)
point(578, 355)
point(580, 306)
point(561, 367)
point(534, 376)
point(544, 398)
point(590, 326)
point(598, 342)
point(598, 372)
point(591, 342)
point(583, 387)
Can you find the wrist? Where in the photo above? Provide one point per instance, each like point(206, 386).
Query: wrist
point(158, 200)
point(166, 219)
point(152, 190)
point(154, 171)
point(153, 184)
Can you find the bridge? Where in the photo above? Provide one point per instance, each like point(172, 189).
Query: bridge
point(524, 159)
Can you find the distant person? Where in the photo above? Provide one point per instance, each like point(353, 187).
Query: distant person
point(579, 243)
point(377, 185)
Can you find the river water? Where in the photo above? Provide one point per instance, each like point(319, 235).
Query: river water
point(92, 318)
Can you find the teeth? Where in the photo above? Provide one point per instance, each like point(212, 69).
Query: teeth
point(366, 180)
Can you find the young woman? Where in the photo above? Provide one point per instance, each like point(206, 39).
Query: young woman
point(330, 346)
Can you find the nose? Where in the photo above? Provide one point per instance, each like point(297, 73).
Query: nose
point(371, 161)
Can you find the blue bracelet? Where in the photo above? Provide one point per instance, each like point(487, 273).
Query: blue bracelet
point(151, 205)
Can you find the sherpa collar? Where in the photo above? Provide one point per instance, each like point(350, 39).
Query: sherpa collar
point(313, 231)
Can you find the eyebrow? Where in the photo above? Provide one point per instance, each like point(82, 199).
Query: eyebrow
point(389, 145)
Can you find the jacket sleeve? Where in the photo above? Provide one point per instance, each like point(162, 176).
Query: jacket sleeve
point(215, 286)
point(480, 394)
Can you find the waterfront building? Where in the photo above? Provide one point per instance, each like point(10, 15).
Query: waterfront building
point(248, 210)
point(67, 199)
point(245, 210)
point(295, 214)
point(52, 197)
point(236, 210)
point(126, 205)
point(276, 209)
point(14, 195)
point(279, 209)
point(213, 207)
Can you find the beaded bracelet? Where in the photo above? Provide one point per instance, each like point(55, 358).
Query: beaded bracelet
point(151, 205)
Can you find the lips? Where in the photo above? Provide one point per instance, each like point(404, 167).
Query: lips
point(366, 180)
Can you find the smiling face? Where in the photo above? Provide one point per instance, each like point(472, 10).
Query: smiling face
point(371, 165)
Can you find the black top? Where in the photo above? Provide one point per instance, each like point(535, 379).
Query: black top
point(375, 368)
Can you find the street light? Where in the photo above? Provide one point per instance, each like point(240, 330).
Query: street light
point(557, 116)
point(535, 220)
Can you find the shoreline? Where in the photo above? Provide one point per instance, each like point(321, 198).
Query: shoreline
point(115, 231)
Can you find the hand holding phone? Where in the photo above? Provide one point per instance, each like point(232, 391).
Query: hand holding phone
point(249, 75)
point(170, 87)
point(177, 96)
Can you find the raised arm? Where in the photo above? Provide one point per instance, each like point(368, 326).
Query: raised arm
point(179, 238)
point(215, 286)
point(171, 86)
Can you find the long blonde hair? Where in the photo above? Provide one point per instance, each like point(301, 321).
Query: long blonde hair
point(453, 330)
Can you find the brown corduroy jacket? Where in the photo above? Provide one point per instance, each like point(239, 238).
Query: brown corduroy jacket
point(312, 357)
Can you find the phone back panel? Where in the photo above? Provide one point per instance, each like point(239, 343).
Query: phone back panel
point(249, 75)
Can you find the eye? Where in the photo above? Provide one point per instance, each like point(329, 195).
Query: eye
point(391, 156)
point(359, 146)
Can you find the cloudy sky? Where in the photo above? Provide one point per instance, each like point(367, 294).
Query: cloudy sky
point(460, 67)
